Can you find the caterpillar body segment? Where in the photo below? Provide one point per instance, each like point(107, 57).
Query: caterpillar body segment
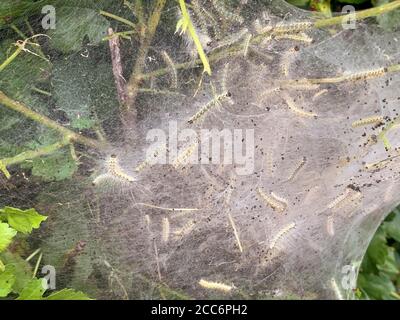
point(275, 202)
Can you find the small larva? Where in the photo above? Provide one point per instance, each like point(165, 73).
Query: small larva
point(186, 229)
point(171, 68)
point(246, 45)
point(116, 171)
point(302, 37)
point(219, 5)
point(276, 203)
point(165, 229)
point(182, 158)
point(292, 106)
point(330, 229)
point(99, 179)
point(215, 285)
point(339, 199)
point(319, 93)
point(349, 194)
point(302, 85)
point(281, 234)
point(209, 105)
point(299, 166)
point(230, 40)
point(235, 232)
point(148, 162)
point(292, 27)
point(287, 59)
point(365, 75)
point(369, 120)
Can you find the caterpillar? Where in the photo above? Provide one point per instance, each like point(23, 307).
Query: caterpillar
point(235, 232)
point(215, 285)
point(276, 203)
point(319, 93)
point(297, 169)
point(301, 37)
point(286, 60)
point(281, 234)
point(99, 179)
point(171, 68)
point(224, 12)
point(345, 197)
point(185, 155)
point(292, 106)
point(339, 199)
point(209, 105)
point(369, 120)
point(329, 226)
point(230, 40)
point(365, 75)
point(116, 171)
point(292, 27)
point(186, 229)
point(148, 162)
point(246, 45)
point(302, 85)
point(165, 229)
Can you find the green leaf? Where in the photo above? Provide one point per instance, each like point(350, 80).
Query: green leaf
point(4, 170)
point(6, 235)
point(392, 227)
point(2, 266)
point(378, 249)
point(74, 24)
point(376, 287)
point(388, 21)
point(33, 291)
point(7, 279)
point(23, 220)
point(68, 294)
point(56, 167)
point(23, 270)
point(390, 267)
point(323, 6)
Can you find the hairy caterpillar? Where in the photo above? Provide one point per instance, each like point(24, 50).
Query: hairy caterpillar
point(186, 229)
point(329, 226)
point(319, 93)
point(148, 162)
point(185, 155)
point(215, 285)
point(246, 45)
point(275, 202)
point(235, 232)
point(301, 37)
point(292, 106)
point(114, 172)
point(345, 197)
point(281, 234)
point(224, 12)
point(297, 169)
point(208, 106)
point(171, 68)
point(369, 120)
point(287, 59)
point(230, 40)
point(165, 229)
point(292, 27)
point(365, 75)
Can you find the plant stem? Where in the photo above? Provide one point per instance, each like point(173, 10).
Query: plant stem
point(120, 19)
point(47, 122)
point(11, 58)
point(135, 79)
point(32, 154)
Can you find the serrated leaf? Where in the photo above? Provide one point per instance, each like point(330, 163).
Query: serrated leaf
point(377, 287)
point(7, 279)
point(74, 24)
point(23, 220)
point(68, 294)
point(390, 267)
point(23, 270)
point(378, 249)
point(392, 227)
point(33, 291)
point(56, 167)
point(6, 235)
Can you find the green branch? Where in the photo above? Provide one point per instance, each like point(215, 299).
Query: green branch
point(47, 122)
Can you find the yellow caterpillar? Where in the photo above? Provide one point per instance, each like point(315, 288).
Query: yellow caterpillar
point(281, 234)
point(275, 202)
point(215, 285)
point(364, 75)
point(208, 106)
point(369, 120)
point(292, 27)
point(116, 171)
point(292, 106)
